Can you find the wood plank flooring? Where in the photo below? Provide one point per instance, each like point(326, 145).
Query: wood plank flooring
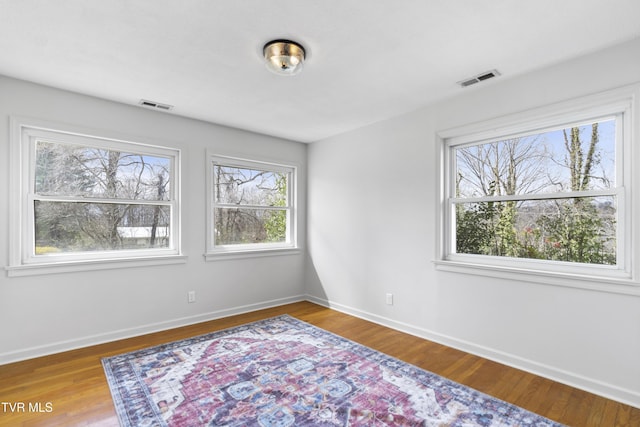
point(71, 389)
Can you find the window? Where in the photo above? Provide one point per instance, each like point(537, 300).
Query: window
point(545, 192)
point(91, 199)
point(251, 207)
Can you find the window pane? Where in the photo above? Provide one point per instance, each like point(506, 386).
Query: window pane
point(79, 227)
point(244, 186)
point(576, 158)
point(573, 229)
point(245, 225)
point(72, 170)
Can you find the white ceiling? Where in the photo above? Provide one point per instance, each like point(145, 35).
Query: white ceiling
point(366, 60)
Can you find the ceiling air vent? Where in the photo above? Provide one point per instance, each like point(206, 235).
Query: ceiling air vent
point(479, 78)
point(156, 105)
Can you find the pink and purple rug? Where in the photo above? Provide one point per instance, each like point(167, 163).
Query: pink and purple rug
point(284, 372)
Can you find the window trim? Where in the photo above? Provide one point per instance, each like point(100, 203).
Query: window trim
point(235, 251)
point(22, 154)
point(623, 279)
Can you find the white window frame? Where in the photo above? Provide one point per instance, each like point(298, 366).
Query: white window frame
point(622, 103)
point(23, 261)
point(229, 251)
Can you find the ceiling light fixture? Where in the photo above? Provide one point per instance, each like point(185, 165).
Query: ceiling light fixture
point(284, 57)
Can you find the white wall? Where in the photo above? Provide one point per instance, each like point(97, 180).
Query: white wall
point(43, 314)
point(371, 230)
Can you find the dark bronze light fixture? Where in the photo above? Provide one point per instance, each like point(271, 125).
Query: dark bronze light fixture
point(284, 57)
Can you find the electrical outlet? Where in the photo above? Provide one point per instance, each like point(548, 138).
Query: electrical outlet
point(191, 296)
point(389, 299)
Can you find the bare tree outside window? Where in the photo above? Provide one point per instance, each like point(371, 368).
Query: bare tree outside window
point(549, 195)
point(251, 205)
point(94, 199)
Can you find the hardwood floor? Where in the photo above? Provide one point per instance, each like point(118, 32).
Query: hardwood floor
point(71, 389)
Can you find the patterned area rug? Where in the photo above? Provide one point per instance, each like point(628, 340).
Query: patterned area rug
point(284, 372)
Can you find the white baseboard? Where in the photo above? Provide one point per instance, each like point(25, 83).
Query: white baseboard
point(610, 391)
point(61, 346)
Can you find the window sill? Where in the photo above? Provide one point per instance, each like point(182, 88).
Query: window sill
point(249, 253)
point(624, 286)
point(92, 265)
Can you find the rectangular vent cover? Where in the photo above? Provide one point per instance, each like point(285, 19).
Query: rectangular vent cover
point(479, 78)
point(156, 105)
